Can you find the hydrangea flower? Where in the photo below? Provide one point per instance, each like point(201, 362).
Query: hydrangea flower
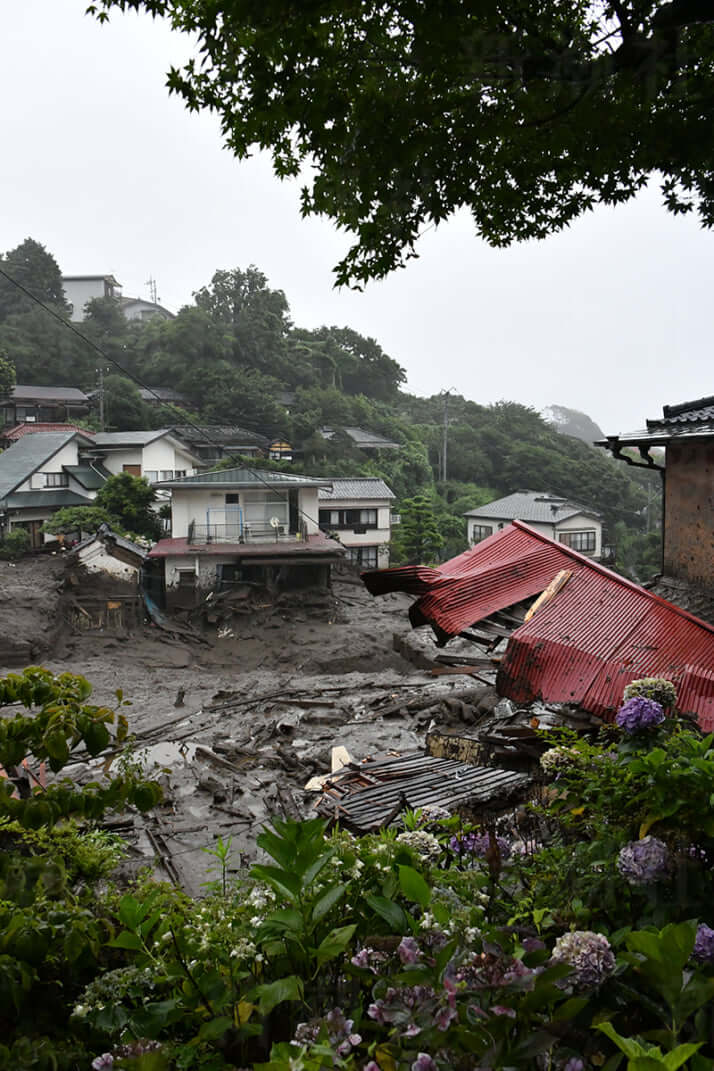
point(574, 1064)
point(424, 1062)
point(657, 688)
point(639, 714)
point(704, 944)
point(409, 951)
point(478, 844)
point(588, 953)
point(644, 862)
point(424, 844)
point(100, 1062)
point(557, 758)
point(339, 1031)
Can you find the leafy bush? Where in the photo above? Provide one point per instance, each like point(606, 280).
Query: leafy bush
point(52, 929)
point(436, 945)
point(15, 543)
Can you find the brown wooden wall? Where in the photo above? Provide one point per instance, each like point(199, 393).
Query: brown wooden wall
point(689, 512)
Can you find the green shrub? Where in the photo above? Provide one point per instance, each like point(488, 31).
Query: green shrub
point(15, 543)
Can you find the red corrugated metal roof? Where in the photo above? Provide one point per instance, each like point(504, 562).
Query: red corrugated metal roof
point(599, 632)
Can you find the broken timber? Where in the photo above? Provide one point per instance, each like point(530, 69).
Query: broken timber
point(369, 796)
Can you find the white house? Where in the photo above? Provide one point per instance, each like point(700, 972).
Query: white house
point(79, 289)
point(107, 552)
point(358, 510)
point(236, 525)
point(155, 455)
point(42, 473)
point(566, 522)
point(140, 309)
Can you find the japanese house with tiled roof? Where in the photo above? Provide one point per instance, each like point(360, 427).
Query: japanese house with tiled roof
point(686, 432)
point(570, 523)
point(358, 510)
point(231, 526)
point(39, 404)
point(42, 473)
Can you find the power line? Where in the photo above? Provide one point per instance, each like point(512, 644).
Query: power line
point(130, 375)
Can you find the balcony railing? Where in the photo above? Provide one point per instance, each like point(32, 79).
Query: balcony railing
point(236, 532)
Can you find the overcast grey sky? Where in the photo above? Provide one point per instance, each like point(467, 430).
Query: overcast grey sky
point(112, 175)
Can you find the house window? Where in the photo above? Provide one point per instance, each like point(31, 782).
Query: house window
point(179, 473)
point(364, 556)
point(56, 479)
point(348, 518)
point(582, 541)
point(232, 500)
point(186, 578)
point(151, 475)
point(481, 531)
point(167, 474)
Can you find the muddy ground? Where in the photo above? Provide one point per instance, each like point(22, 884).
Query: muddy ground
point(263, 700)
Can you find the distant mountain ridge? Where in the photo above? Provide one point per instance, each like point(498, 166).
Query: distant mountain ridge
point(572, 422)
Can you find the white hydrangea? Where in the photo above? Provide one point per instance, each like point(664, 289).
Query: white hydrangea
point(424, 844)
point(557, 758)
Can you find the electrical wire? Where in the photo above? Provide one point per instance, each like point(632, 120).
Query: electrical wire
point(130, 375)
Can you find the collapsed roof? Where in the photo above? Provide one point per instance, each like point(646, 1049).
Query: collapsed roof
point(597, 633)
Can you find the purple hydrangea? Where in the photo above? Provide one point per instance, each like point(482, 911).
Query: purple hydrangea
point(339, 1031)
point(106, 1060)
point(644, 862)
point(478, 844)
point(409, 951)
point(574, 1064)
point(704, 944)
point(589, 954)
point(424, 1062)
point(639, 714)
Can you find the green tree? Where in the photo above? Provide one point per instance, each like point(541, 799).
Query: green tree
point(124, 408)
point(31, 265)
point(526, 113)
point(129, 499)
point(78, 519)
point(255, 317)
point(8, 376)
point(417, 539)
point(45, 352)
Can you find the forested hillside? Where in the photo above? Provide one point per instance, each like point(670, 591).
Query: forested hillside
point(234, 352)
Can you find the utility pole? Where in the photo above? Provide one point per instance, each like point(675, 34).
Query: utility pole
point(445, 436)
point(100, 392)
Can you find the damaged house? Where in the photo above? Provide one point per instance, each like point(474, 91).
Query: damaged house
point(233, 526)
point(686, 434)
point(590, 634)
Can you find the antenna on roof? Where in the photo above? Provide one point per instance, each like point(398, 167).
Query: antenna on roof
point(151, 283)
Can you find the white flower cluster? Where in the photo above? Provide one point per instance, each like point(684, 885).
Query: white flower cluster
point(557, 758)
point(243, 950)
point(261, 896)
point(588, 953)
point(424, 844)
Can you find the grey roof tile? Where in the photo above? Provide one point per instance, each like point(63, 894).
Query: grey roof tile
point(365, 487)
point(42, 499)
point(244, 478)
point(128, 438)
point(535, 506)
point(22, 391)
point(27, 455)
